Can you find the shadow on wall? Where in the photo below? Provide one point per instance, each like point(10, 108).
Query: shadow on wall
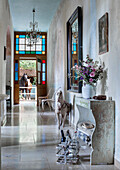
point(103, 83)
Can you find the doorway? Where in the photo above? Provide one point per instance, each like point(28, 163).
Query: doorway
point(36, 52)
point(29, 92)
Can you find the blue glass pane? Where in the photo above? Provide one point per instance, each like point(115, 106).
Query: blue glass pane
point(38, 52)
point(74, 48)
point(72, 52)
point(41, 36)
point(16, 66)
point(21, 36)
point(43, 41)
point(21, 52)
point(17, 40)
point(16, 76)
point(17, 47)
point(43, 67)
point(43, 47)
point(43, 76)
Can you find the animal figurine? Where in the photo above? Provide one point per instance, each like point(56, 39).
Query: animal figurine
point(63, 109)
point(22, 84)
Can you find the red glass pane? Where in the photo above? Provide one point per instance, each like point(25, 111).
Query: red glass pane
point(43, 61)
point(43, 82)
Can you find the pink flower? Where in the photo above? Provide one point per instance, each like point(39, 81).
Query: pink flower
point(90, 80)
point(92, 74)
point(93, 69)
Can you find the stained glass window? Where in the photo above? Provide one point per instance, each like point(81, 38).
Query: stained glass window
point(22, 46)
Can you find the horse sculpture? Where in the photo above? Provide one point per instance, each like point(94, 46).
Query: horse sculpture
point(63, 108)
point(22, 84)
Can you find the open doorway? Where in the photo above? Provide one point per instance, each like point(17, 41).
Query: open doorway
point(27, 80)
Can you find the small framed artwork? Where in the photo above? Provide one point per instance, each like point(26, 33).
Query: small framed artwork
point(4, 53)
point(103, 34)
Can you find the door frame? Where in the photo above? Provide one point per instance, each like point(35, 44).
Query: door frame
point(18, 57)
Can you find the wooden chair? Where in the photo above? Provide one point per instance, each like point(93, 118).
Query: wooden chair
point(43, 97)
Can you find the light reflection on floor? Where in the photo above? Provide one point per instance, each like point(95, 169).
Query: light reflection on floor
point(29, 141)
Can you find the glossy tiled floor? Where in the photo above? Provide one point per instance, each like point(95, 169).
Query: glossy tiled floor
point(29, 141)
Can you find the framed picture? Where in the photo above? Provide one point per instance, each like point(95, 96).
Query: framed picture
point(103, 34)
point(4, 53)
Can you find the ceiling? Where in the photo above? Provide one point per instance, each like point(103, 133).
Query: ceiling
point(21, 11)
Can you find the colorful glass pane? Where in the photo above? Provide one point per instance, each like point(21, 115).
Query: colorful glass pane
point(74, 48)
point(17, 47)
point(21, 36)
point(17, 52)
point(27, 52)
point(43, 82)
point(21, 40)
point(43, 41)
point(43, 47)
point(38, 47)
point(38, 52)
point(17, 36)
point(39, 41)
point(16, 66)
point(43, 76)
point(43, 67)
point(21, 47)
point(33, 47)
point(27, 48)
point(16, 76)
point(27, 41)
point(21, 52)
point(17, 40)
point(32, 52)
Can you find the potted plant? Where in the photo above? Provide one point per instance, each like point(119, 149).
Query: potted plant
point(89, 72)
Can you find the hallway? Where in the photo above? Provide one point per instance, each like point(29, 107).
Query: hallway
point(29, 141)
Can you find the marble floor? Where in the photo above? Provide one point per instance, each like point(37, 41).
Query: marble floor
point(29, 141)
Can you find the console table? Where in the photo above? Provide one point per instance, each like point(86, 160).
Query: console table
point(101, 113)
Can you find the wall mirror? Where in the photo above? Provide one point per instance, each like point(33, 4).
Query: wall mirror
point(74, 48)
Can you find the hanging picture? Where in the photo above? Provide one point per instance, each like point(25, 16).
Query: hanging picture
point(103, 34)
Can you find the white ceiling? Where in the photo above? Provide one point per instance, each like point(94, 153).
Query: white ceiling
point(21, 11)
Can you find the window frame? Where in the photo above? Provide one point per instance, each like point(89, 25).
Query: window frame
point(30, 54)
point(76, 14)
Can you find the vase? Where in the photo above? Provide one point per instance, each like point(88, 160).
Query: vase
point(88, 91)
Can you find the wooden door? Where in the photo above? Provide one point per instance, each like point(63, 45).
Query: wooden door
point(41, 77)
point(16, 81)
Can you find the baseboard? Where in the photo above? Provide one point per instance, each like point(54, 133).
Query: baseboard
point(117, 163)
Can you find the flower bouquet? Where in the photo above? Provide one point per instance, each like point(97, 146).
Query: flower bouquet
point(89, 71)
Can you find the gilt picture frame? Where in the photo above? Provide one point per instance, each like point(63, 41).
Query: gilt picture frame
point(103, 34)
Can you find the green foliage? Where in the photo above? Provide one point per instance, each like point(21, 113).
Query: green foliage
point(28, 64)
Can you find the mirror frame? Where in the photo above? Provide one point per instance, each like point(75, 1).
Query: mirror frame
point(77, 14)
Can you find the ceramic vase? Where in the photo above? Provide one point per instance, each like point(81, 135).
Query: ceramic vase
point(88, 91)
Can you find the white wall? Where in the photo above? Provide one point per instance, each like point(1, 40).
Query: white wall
point(57, 50)
point(5, 21)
